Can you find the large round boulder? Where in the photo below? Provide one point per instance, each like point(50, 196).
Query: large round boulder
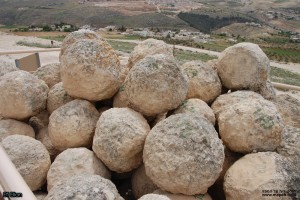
point(75, 161)
point(73, 125)
point(30, 157)
point(204, 82)
point(183, 154)
point(197, 107)
point(243, 66)
point(76, 36)
point(259, 176)
point(13, 127)
point(22, 95)
point(88, 187)
point(141, 183)
point(57, 97)
point(90, 69)
point(251, 125)
point(183, 197)
point(289, 108)
point(119, 139)
point(148, 47)
point(49, 73)
point(155, 85)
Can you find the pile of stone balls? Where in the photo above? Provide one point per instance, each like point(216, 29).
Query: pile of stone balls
point(90, 128)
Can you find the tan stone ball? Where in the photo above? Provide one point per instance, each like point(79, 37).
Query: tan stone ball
point(49, 73)
point(156, 85)
point(183, 154)
point(119, 139)
point(73, 125)
point(22, 95)
point(75, 161)
point(154, 197)
point(43, 137)
point(90, 69)
point(30, 157)
point(183, 197)
point(204, 82)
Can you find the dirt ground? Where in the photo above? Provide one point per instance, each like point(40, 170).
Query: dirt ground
point(8, 43)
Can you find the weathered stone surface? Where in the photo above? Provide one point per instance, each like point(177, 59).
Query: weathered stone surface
point(290, 144)
point(22, 95)
point(251, 125)
point(183, 154)
point(198, 107)
point(13, 127)
point(119, 139)
point(230, 99)
point(204, 82)
point(90, 69)
point(289, 108)
point(43, 137)
point(39, 121)
point(147, 48)
point(141, 183)
point(49, 73)
point(73, 125)
point(30, 157)
point(88, 187)
point(154, 197)
point(40, 195)
point(248, 177)
point(243, 66)
point(57, 97)
point(183, 197)
point(155, 85)
point(76, 36)
point(75, 161)
point(267, 91)
point(6, 67)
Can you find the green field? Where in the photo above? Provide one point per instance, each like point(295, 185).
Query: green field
point(284, 76)
point(36, 44)
point(58, 38)
point(286, 55)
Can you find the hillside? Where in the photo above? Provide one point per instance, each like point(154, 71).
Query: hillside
point(165, 14)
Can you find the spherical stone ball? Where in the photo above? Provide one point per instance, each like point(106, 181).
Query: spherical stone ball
point(156, 85)
point(204, 82)
point(49, 73)
point(75, 161)
point(6, 67)
point(197, 107)
point(119, 139)
point(230, 99)
point(183, 197)
point(259, 174)
point(183, 154)
point(243, 66)
point(146, 48)
point(22, 95)
point(77, 35)
point(57, 97)
point(251, 125)
point(141, 183)
point(73, 125)
point(30, 157)
point(85, 186)
point(13, 127)
point(154, 197)
point(289, 108)
point(43, 137)
point(90, 69)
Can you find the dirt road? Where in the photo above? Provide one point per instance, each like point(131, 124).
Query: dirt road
point(8, 43)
